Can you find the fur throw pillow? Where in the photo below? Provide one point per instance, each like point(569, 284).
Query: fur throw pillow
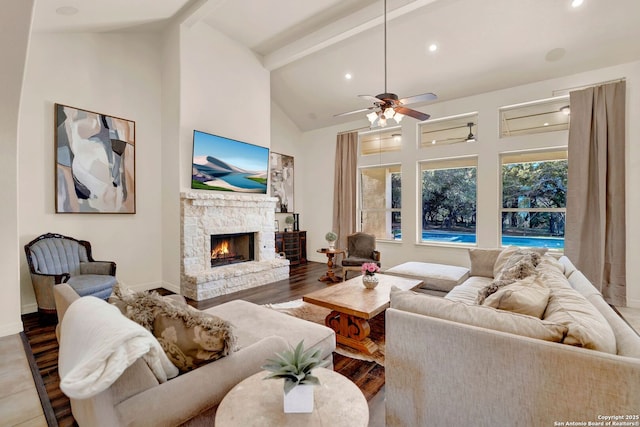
point(189, 337)
point(520, 265)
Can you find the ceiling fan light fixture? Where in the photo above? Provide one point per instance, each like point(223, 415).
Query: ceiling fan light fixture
point(398, 117)
point(383, 121)
point(388, 113)
point(372, 116)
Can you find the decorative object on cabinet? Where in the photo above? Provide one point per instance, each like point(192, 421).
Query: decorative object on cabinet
point(290, 221)
point(294, 245)
point(282, 181)
point(95, 162)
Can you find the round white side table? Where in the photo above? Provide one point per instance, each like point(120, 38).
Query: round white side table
point(257, 402)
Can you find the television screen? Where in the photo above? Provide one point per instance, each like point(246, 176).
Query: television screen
point(225, 164)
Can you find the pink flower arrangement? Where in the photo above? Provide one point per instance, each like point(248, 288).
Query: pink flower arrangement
point(370, 268)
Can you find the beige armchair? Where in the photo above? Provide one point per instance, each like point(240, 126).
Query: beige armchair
point(54, 259)
point(361, 248)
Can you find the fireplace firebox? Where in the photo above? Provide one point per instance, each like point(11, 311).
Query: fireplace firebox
point(231, 248)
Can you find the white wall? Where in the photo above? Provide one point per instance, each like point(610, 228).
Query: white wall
point(115, 74)
point(319, 154)
point(170, 175)
point(15, 25)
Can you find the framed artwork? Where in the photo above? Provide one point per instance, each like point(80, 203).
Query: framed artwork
point(95, 162)
point(281, 167)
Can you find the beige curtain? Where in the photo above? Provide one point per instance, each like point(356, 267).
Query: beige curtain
point(344, 187)
point(595, 231)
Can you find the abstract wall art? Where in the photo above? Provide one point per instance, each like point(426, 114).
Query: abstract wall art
point(282, 181)
point(95, 162)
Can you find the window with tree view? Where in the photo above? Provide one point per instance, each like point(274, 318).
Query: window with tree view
point(380, 201)
point(449, 200)
point(534, 195)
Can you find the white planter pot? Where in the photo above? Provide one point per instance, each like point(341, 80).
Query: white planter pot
point(299, 399)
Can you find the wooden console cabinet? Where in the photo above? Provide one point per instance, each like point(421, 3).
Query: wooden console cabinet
point(294, 246)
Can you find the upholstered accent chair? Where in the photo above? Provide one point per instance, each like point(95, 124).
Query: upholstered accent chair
point(54, 259)
point(361, 248)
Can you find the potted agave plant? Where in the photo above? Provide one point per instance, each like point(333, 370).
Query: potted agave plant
point(295, 366)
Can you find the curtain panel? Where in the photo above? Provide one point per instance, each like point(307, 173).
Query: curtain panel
point(595, 236)
point(344, 187)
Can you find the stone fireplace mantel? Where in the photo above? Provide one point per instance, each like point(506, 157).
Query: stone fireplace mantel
point(204, 214)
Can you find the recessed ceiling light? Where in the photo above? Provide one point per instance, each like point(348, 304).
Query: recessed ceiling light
point(67, 10)
point(433, 47)
point(433, 141)
point(576, 3)
point(545, 124)
point(348, 76)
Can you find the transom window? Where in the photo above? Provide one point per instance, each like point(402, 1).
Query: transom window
point(547, 115)
point(449, 199)
point(449, 130)
point(534, 198)
point(377, 142)
point(380, 201)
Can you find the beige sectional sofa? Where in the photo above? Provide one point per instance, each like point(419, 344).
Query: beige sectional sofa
point(137, 398)
point(450, 361)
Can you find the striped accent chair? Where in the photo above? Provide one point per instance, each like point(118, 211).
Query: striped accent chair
point(54, 259)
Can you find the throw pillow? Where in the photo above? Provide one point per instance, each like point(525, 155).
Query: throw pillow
point(587, 327)
point(482, 261)
point(476, 315)
point(522, 263)
point(508, 252)
point(527, 296)
point(189, 337)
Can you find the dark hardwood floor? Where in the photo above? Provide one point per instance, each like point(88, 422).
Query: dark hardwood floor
point(368, 376)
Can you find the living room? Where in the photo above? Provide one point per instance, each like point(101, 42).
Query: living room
point(191, 76)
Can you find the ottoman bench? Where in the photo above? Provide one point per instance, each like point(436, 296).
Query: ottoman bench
point(435, 277)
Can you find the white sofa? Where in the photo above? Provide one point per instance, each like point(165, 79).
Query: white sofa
point(452, 362)
point(136, 398)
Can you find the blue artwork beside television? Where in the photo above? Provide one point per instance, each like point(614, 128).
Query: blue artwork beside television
point(225, 164)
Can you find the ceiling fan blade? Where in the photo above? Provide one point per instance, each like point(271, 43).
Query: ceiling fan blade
point(371, 98)
point(412, 113)
point(419, 98)
point(362, 110)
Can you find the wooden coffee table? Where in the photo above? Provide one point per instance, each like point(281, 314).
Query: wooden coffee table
point(353, 305)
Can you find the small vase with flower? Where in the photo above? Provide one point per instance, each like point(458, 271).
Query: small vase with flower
point(369, 278)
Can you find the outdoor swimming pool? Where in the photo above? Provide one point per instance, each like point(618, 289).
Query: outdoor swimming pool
point(453, 237)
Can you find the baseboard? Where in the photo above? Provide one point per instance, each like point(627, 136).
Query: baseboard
point(154, 285)
point(29, 308)
point(11, 329)
point(633, 303)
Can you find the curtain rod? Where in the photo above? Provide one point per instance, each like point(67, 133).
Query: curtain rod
point(569, 89)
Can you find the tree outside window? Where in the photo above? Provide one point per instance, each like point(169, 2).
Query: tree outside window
point(448, 200)
point(534, 194)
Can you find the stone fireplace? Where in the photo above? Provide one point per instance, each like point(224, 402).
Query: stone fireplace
point(206, 216)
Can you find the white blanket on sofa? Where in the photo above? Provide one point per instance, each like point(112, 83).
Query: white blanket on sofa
point(97, 343)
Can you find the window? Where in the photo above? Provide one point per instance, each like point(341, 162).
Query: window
point(448, 130)
point(547, 115)
point(448, 189)
point(377, 142)
point(534, 196)
point(380, 201)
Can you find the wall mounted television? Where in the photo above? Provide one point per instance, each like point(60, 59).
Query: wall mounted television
point(225, 164)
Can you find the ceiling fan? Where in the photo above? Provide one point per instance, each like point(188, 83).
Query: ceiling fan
point(387, 105)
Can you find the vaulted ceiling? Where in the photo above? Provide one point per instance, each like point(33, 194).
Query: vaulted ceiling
point(309, 46)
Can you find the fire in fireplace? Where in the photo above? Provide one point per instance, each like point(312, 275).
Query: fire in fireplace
point(231, 248)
